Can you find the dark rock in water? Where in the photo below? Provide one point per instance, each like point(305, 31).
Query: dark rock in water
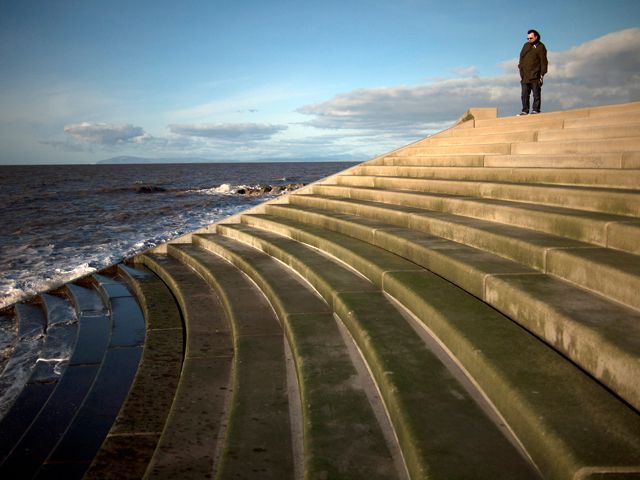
point(266, 189)
point(150, 189)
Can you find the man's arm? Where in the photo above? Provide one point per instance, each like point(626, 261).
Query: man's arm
point(544, 64)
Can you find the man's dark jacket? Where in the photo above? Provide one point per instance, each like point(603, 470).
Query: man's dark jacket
point(533, 62)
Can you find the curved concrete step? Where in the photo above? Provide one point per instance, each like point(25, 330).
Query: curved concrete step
point(342, 437)
point(190, 441)
point(49, 426)
point(617, 273)
point(601, 336)
point(443, 432)
point(60, 337)
point(129, 446)
point(615, 201)
point(21, 364)
point(591, 227)
point(86, 433)
point(609, 177)
point(547, 401)
point(258, 436)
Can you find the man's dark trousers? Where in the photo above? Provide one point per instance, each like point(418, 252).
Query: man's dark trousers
point(527, 88)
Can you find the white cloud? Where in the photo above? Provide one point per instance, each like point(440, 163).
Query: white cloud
point(229, 132)
point(601, 71)
point(470, 71)
point(106, 134)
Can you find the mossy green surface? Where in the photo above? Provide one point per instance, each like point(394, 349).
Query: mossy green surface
point(614, 274)
point(565, 420)
point(443, 433)
point(123, 457)
point(189, 441)
point(258, 437)
point(342, 438)
point(602, 337)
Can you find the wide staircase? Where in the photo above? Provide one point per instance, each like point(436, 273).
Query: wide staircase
point(466, 307)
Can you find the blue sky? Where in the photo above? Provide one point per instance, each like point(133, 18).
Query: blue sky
point(81, 81)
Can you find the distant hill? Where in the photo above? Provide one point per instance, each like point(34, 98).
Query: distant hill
point(130, 160)
point(122, 160)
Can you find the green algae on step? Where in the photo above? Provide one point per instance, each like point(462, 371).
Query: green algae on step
point(592, 324)
point(499, 341)
point(189, 441)
point(135, 433)
point(430, 411)
point(258, 436)
point(342, 438)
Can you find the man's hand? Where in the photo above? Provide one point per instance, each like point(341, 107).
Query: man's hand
point(541, 79)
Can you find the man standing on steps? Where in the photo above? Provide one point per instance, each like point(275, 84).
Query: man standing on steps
point(533, 66)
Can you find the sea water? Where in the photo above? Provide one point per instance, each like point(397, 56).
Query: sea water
point(59, 222)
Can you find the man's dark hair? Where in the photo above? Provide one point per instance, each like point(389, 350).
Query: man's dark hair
point(535, 32)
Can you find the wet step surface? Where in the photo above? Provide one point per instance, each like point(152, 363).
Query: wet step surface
point(54, 357)
point(82, 400)
point(8, 337)
point(23, 359)
point(132, 440)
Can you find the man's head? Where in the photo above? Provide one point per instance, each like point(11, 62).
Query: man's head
point(533, 36)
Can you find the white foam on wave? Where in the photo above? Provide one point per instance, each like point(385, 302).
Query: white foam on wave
point(225, 188)
point(15, 290)
point(46, 269)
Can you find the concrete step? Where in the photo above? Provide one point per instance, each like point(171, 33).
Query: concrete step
point(603, 177)
point(521, 121)
point(623, 118)
point(88, 430)
point(609, 112)
point(628, 144)
point(532, 126)
point(129, 446)
point(526, 247)
point(548, 402)
point(471, 149)
point(487, 138)
point(190, 438)
point(434, 160)
point(342, 436)
point(50, 366)
point(599, 336)
point(628, 160)
point(590, 133)
point(606, 200)
point(426, 404)
point(591, 227)
point(18, 368)
point(258, 437)
point(489, 345)
point(29, 454)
